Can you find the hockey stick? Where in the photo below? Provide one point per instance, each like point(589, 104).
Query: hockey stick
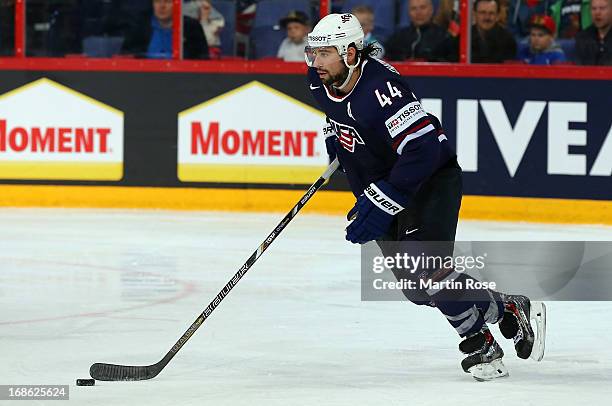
point(111, 372)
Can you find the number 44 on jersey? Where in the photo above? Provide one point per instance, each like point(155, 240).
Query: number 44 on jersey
point(383, 99)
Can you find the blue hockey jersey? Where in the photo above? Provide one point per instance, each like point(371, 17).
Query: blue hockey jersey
point(381, 130)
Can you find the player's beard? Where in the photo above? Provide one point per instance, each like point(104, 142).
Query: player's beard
point(338, 78)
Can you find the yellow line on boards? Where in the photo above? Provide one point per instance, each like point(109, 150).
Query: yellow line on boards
point(249, 174)
point(539, 210)
point(272, 200)
point(39, 170)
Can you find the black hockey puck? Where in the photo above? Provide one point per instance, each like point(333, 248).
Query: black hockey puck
point(86, 382)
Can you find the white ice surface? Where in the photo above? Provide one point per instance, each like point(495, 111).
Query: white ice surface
point(84, 286)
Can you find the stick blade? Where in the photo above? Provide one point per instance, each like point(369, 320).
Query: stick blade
point(112, 372)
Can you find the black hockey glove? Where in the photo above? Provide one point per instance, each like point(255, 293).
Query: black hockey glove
point(374, 212)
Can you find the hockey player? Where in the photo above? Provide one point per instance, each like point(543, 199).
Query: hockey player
point(407, 182)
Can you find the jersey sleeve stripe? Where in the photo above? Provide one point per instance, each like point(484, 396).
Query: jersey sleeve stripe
point(412, 136)
point(412, 130)
point(417, 127)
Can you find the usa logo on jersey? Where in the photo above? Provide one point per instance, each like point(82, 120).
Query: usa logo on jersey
point(346, 134)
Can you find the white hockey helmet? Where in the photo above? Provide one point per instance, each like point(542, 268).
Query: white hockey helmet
point(338, 31)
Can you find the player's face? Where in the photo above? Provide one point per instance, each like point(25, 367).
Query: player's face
point(540, 39)
point(601, 12)
point(486, 15)
point(330, 66)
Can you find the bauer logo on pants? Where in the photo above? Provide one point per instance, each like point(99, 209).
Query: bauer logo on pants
point(253, 134)
point(49, 131)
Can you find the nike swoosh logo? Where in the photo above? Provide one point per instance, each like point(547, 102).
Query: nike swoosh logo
point(314, 87)
point(412, 231)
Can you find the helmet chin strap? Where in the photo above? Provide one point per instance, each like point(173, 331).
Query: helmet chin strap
point(351, 69)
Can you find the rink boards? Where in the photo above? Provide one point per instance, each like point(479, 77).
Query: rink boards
point(533, 148)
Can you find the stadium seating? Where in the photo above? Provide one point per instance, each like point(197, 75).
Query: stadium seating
point(384, 15)
point(102, 46)
point(569, 48)
point(227, 8)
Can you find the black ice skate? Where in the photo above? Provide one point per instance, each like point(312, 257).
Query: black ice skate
point(484, 360)
point(516, 325)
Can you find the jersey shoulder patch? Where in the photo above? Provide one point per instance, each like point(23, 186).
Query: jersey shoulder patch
point(405, 118)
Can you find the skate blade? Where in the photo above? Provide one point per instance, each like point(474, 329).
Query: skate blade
point(538, 315)
point(487, 372)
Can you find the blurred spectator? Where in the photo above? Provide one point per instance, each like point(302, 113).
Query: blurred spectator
point(502, 18)
point(594, 45)
point(244, 23)
point(212, 22)
point(542, 49)
point(570, 16)
point(297, 26)
point(520, 13)
point(491, 43)
point(422, 39)
point(447, 17)
point(153, 37)
point(365, 15)
point(245, 16)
